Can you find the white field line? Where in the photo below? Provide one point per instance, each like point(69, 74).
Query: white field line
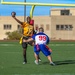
point(48, 74)
point(50, 45)
point(7, 45)
point(12, 52)
point(62, 44)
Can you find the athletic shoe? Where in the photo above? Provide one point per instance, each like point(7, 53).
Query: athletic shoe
point(36, 62)
point(53, 64)
point(39, 59)
point(24, 62)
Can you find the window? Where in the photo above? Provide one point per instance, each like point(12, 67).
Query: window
point(47, 27)
point(64, 27)
point(70, 27)
point(7, 26)
point(65, 12)
point(18, 26)
point(57, 27)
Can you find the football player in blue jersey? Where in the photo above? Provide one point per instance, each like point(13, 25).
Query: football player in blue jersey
point(41, 41)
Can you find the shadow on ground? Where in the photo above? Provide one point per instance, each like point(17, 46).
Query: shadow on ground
point(65, 62)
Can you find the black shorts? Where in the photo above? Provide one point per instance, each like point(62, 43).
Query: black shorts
point(25, 44)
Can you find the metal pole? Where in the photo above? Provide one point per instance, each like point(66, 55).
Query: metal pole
point(24, 11)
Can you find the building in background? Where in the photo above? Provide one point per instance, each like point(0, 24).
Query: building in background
point(63, 24)
point(59, 25)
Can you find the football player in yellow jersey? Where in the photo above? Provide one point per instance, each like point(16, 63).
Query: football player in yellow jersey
point(27, 33)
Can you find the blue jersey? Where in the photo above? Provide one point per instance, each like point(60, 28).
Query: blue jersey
point(41, 38)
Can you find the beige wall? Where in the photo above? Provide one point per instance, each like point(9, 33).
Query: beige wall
point(43, 20)
point(72, 11)
point(49, 23)
point(62, 34)
point(39, 20)
point(6, 20)
point(56, 11)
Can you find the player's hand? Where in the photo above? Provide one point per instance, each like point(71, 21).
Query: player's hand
point(24, 40)
point(13, 14)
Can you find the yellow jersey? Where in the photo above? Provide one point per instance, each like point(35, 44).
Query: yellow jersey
point(27, 29)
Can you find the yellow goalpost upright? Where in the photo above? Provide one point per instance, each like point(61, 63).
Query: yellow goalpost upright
point(35, 4)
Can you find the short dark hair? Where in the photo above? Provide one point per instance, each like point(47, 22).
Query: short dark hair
point(28, 17)
point(41, 29)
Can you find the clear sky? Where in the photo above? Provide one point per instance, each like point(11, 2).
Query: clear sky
point(5, 10)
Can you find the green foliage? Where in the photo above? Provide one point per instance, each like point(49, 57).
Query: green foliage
point(15, 35)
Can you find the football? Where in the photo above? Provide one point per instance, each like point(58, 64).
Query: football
point(13, 14)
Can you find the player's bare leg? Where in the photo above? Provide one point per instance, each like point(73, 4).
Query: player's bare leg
point(50, 60)
point(39, 58)
point(24, 55)
point(36, 57)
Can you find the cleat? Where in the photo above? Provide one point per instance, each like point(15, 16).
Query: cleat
point(36, 62)
point(53, 64)
point(24, 62)
point(39, 59)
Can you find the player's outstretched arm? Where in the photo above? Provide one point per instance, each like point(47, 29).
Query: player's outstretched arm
point(28, 40)
point(13, 14)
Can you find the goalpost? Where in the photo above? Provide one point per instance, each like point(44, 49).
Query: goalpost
point(35, 4)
